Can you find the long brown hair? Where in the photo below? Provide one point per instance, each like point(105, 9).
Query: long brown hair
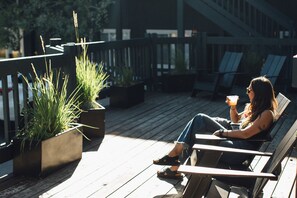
point(264, 98)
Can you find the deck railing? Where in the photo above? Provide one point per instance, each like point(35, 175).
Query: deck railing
point(15, 92)
point(149, 58)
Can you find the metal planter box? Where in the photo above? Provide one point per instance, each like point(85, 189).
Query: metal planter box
point(94, 118)
point(43, 158)
point(125, 97)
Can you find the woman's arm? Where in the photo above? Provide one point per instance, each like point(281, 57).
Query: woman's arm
point(234, 115)
point(263, 122)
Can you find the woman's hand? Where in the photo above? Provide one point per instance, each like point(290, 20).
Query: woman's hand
point(219, 133)
point(232, 100)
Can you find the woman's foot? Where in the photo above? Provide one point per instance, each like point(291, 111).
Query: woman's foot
point(166, 160)
point(169, 174)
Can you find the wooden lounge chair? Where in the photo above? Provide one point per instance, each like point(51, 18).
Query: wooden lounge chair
point(283, 103)
point(219, 179)
point(225, 77)
point(272, 67)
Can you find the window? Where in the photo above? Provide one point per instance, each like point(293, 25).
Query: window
point(110, 34)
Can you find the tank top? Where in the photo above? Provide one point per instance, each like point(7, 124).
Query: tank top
point(265, 134)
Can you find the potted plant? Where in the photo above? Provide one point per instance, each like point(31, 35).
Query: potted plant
point(180, 79)
point(91, 79)
point(51, 138)
point(126, 92)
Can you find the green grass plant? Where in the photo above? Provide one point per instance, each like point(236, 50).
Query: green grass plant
point(125, 76)
point(91, 79)
point(53, 111)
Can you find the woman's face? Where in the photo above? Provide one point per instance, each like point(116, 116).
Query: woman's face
point(250, 92)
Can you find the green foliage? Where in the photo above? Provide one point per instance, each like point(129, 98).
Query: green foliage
point(9, 25)
point(180, 63)
point(52, 18)
point(124, 76)
point(53, 111)
point(90, 78)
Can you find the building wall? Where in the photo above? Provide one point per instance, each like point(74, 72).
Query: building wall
point(140, 15)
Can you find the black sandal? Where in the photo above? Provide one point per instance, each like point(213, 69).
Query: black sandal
point(166, 160)
point(169, 174)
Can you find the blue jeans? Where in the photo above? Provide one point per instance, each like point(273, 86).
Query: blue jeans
point(204, 124)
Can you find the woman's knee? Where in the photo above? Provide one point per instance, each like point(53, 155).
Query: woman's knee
point(200, 116)
point(202, 119)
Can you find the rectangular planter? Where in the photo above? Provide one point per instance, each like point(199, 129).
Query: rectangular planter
point(178, 82)
point(49, 155)
point(94, 118)
point(125, 97)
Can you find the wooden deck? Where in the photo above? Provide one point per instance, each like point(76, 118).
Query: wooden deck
point(120, 165)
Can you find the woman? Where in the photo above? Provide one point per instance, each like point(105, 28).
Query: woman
point(255, 121)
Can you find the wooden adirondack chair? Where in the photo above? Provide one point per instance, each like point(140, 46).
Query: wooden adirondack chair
point(283, 103)
point(212, 159)
point(272, 67)
point(202, 176)
point(225, 77)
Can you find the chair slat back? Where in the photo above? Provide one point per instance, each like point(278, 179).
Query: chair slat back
point(272, 67)
point(224, 62)
point(275, 160)
point(229, 65)
point(283, 103)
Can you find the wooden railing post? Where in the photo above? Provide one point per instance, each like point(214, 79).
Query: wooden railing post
point(70, 67)
point(201, 43)
point(154, 75)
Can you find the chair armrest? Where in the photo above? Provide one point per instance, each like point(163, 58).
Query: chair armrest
point(216, 138)
point(206, 171)
point(209, 137)
point(227, 149)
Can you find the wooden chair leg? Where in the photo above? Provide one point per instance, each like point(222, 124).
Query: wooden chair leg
point(197, 185)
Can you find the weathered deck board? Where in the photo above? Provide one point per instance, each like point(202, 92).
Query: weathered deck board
point(120, 165)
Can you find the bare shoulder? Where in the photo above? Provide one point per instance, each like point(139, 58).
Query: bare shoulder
point(267, 115)
point(265, 120)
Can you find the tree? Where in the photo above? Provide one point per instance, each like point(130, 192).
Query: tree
point(9, 27)
point(51, 18)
